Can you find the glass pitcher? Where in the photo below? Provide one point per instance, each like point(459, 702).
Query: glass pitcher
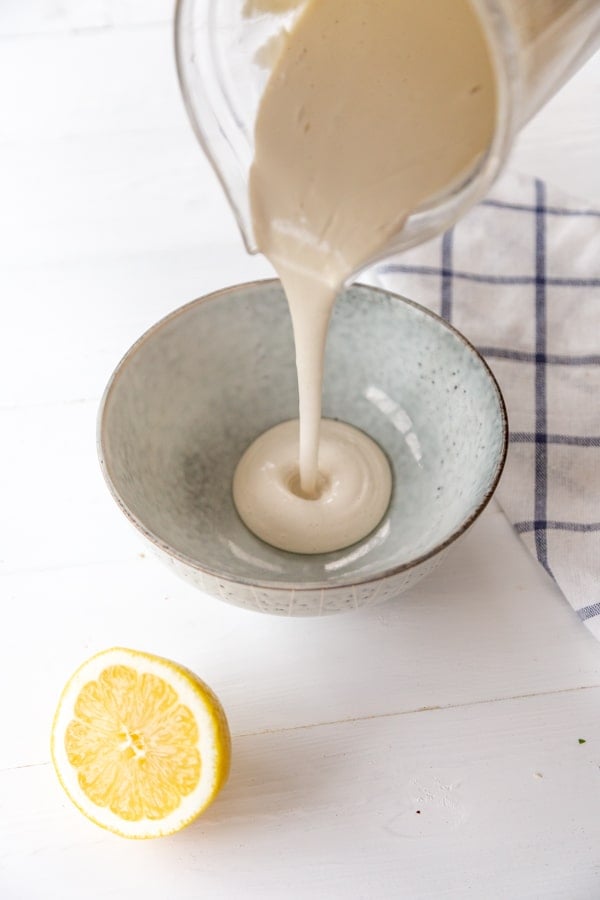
point(224, 49)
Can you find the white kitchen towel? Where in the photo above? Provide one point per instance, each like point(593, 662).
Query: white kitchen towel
point(520, 277)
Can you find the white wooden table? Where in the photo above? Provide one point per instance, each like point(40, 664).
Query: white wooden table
point(425, 749)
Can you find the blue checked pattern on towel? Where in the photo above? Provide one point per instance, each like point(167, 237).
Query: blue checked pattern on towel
point(520, 277)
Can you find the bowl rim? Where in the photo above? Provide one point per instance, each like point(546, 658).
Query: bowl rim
point(261, 583)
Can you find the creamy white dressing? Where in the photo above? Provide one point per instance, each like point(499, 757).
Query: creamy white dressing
point(372, 108)
point(353, 488)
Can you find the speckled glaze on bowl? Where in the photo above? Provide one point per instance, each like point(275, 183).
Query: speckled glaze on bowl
point(198, 388)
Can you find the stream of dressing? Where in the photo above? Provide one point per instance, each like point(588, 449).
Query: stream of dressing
point(372, 108)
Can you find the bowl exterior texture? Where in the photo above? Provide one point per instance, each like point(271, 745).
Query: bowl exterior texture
point(302, 601)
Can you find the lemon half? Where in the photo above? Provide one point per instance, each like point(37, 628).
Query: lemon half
point(139, 743)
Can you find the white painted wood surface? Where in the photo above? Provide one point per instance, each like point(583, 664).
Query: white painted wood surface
point(428, 748)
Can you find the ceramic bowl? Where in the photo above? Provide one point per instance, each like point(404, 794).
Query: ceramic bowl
point(202, 384)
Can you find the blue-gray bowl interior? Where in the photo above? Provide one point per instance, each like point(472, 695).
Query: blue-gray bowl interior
point(196, 390)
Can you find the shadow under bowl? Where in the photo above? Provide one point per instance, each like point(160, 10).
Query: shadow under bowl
point(202, 384)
